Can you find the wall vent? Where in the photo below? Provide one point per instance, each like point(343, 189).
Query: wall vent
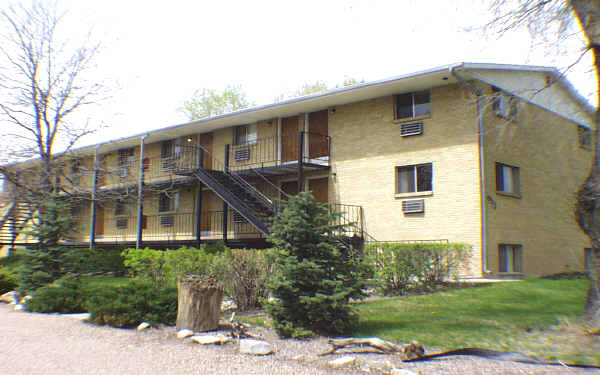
point(241, 154)
point(413, 206)
point(414, 128)
point(167, 220)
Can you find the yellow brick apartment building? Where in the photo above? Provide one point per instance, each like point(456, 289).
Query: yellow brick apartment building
point(485, 154)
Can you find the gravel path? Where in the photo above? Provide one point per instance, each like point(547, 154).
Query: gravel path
point(54, 344)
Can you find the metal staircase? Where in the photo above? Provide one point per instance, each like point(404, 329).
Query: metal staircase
point(237, 190)
point(13, 222)
point(230, 186)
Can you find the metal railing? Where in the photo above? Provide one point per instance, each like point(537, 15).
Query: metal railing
point(270, 152)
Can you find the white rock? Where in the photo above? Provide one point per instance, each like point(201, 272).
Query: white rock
point(342, 361)
point(9, 297)
point(185, 333)
point(211, 339)
point(402, 371)
point(19, 307)
point(80, 316)
point(256, 347)
point(143, 326)
point(228, 305)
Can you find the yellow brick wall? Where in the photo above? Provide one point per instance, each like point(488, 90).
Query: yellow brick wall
point(367, 148)
point(552, 167)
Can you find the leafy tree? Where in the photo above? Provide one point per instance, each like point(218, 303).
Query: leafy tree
point(552, 20)
point(316, 87)
point(210, 102)
point(313, 280)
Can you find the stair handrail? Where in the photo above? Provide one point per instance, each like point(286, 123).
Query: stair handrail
point(8, 213)
point(238, 179)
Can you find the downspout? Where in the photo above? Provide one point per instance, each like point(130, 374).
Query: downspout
point(481, 167)
point(140, 208)
point(94, 198)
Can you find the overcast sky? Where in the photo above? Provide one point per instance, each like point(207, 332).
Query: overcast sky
point(157, 53)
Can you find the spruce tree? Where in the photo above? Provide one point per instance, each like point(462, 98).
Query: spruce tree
point(314, 278)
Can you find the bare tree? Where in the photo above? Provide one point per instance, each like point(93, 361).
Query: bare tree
point(44, 81)
point(555, 21)
point(44, 86)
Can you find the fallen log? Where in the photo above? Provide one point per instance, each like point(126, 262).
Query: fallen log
point(374, 344)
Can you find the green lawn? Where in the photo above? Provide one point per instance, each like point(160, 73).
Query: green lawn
point(514, 316)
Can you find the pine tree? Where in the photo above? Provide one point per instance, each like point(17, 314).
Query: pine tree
point(314, 279)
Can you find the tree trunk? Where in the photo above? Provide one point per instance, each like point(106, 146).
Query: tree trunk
point(587, 207)
point(199, 303)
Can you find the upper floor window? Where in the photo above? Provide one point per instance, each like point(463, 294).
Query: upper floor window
point(508, 179)
point(505, 105)
point(414, 178)
point(167, 202)
point(245, 134)
point(121, 207)
point(585, 137)
point(413, 104)
point(171, 149)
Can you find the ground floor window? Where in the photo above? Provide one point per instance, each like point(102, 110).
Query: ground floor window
point(414, 178)
point(510, 258)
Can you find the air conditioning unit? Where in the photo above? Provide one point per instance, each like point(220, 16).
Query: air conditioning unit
point(241, 154)
point(167, 221)
point(121, 223)
point(123, 172)
point(237, 218)
point(415, 128)
point(413, 206)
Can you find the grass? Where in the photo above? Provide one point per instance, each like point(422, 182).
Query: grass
point(519, 316)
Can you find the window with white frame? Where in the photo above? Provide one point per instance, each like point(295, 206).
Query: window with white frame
point(508, 179)
point(167, 202)
point(413, 104)
point(414, 178)
point(510, 258)
point(245, 134)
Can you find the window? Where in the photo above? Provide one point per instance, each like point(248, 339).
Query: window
point(245, 134)
point(167, 202)
point(510, 258)
point(413, 104)
point(507, 179)
point(414, 178)
point(505, 105)
point(585, 137)
point(76, 172)
point(126, 159)
point(121, 208)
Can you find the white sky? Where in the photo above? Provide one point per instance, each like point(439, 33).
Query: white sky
point(157, 53)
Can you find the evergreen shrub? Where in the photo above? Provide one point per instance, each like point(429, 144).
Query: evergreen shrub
point(64, 296)
point(133, 303)
point(314, 279)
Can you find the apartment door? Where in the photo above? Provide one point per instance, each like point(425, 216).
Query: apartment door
point(99, 222)
point(289, 139)
point(320, 189)
point(318, 127)
point(207, 216)
point(206, 141)
point(290, 188)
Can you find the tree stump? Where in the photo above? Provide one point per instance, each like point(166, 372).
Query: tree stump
point(198, 303)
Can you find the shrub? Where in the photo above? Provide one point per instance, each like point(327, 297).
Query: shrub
point(167, 266)
point(65, 296)
point(400, 267)
point(41, 267)
point(133, 303)
point(84, 260)
point(313, 280)
point(244, 274)
point(8, 280)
